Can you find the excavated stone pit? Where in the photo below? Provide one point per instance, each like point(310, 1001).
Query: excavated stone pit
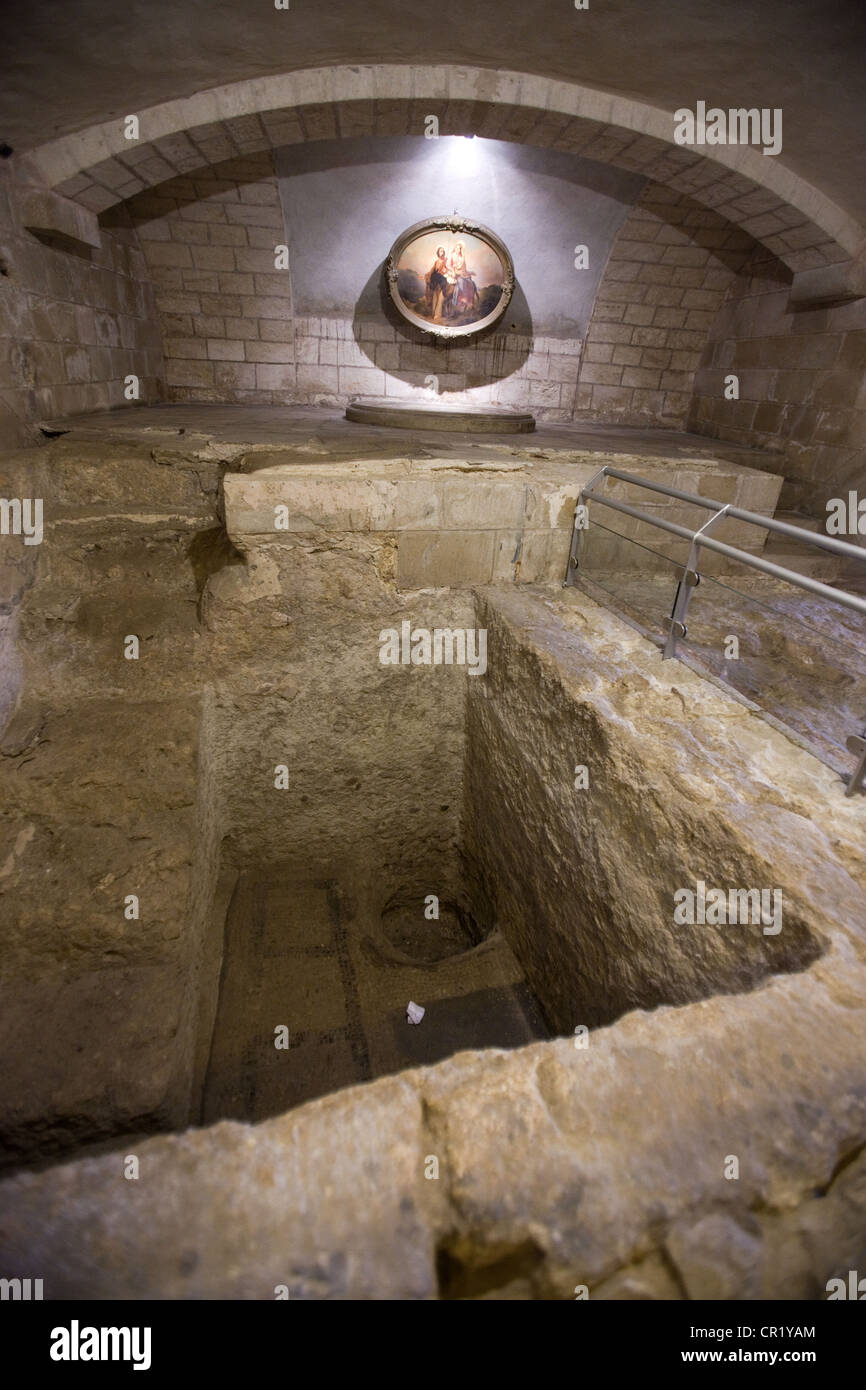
point(284, 807)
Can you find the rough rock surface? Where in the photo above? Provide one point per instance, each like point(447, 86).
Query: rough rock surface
point(558, 1165)
point(584, 878)
point(104, 796)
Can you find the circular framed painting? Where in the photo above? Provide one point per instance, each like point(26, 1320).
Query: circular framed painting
point(450, 276)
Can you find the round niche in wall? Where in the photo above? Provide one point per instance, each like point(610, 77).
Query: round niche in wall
point(450, 276)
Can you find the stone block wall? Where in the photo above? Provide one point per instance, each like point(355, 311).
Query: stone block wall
point(446, 523)
point(371, 356)
point(225, 312)
point(73, 323)
point(663, 285)
point(678, 307)
point(230, 333)
point(443, 527)
point(800, 380)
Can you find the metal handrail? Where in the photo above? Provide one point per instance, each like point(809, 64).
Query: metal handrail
point(699, 538)
point(784, 528)
point(802, 581)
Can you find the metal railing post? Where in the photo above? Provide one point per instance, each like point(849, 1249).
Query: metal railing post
point(676, 627)
point(856, 744)
point(690, 580)
point(577, 530)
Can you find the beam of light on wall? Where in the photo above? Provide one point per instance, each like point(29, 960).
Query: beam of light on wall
point(463, 155)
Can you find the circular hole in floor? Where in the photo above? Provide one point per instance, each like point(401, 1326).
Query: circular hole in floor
point(425, 939)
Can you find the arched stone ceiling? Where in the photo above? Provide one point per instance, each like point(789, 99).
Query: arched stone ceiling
point(65, 67)
point(100, 167)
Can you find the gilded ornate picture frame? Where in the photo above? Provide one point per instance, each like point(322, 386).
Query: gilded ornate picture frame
point(450, 276)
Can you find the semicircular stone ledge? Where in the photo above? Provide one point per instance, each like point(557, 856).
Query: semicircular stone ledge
point(534, 1173)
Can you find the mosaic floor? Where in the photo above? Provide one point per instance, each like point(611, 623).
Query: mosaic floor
point(311, 957)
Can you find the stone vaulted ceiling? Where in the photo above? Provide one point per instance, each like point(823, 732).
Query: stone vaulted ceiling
point(66, 67)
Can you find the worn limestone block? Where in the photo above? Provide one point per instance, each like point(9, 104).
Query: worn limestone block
point(828, 285)
point(444, 558)
point(335, 504)
point(59, 219)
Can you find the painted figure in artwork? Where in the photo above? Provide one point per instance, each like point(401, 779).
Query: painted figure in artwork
point(448, 277)
point(437, 283)
point(464, 293)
